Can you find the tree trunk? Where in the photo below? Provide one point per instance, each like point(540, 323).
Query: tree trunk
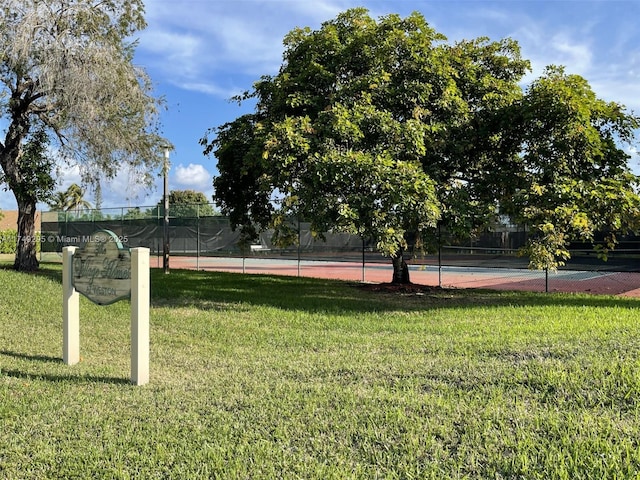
point(400, 269)
point(26, 256)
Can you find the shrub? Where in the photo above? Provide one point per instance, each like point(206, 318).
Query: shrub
point(8, 240)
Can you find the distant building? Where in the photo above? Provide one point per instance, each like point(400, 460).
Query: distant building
point(9, 220)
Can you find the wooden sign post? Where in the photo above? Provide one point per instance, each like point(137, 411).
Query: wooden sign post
point(140, 316)
point(105, 272)
point(70, 310)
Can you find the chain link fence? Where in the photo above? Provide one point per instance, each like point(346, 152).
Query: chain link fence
point(489, 260)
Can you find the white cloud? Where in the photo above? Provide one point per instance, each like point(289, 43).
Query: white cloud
point(190, 47)
point(212, 89)
point(625, 92)
point(174, 52)
point(192, 43)
point(319, 11)
point(544, 46)
point(193, 176)
point(571, 52)
point(67, 175)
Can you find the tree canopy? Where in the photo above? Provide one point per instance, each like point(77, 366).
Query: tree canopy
point(383, 128)
point(574, 179)
point(187, 204)
point(66, 72)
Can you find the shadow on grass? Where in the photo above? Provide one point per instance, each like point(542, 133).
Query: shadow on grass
point(37, 358)
point(52, 377)
point(51, 271)
point(223, 290)
point(200, 289)
point(47, 377)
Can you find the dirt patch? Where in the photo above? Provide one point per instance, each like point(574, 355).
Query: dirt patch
point(402, 289)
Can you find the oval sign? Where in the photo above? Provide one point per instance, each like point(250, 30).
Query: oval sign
point(102, 269)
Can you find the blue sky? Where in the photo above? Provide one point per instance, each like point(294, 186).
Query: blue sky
point(199, 53)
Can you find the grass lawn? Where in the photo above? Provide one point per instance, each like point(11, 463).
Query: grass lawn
point(266, 377)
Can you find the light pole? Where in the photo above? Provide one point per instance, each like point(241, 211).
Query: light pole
point(165, 245)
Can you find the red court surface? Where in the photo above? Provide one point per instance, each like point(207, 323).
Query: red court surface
point(607, 283)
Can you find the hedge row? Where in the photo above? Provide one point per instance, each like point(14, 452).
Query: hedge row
point(9, 240)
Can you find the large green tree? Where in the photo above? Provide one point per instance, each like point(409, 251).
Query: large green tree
point(66, 69)
point(383, 128)
point(367, 128)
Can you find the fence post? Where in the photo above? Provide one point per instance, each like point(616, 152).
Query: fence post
point(198, 237)
point(546, 280)
point(439, 256)
point(299, 239)
point(363, 261)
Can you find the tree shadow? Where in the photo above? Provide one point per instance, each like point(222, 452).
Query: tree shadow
point(225, 290)
point(50, 271)
point(25, 356)
point(201, 289)
point(65, 378)
point(46, 271)
point(53, 377)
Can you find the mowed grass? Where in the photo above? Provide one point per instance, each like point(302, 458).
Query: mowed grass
point(266, 377)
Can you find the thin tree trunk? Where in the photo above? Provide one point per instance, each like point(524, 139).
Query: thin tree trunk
point(26, 256)
point(400, 269)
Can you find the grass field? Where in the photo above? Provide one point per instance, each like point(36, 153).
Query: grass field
point(279, 377)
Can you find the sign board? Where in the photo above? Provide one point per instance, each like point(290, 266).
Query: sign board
point(105, 272)
point(102, 269)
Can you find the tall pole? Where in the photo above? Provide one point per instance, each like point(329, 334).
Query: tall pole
point(165, 244)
